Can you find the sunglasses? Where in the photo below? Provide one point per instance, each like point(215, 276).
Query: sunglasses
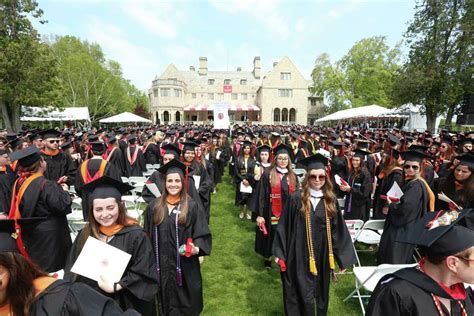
point(317, 178)
point(53, 141)
point(406, 167)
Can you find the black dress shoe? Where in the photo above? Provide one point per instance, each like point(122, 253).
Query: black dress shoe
point(267, 264)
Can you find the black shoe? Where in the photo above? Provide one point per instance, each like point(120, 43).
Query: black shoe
point(267, 264)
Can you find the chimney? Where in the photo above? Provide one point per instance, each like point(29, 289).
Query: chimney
point(239, 68)
point(256, 67)
point(202, 66)
point(191, 68)
point(275, 63)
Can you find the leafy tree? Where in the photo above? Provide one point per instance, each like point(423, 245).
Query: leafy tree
point(27, 68)
point(439, 67)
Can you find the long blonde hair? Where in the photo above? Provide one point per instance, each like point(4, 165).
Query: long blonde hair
point(161, 208)
point(330, 200)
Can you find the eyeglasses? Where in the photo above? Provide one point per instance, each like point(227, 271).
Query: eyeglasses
point(282, 159)
point(466, 259)
point(406, 167)
point(444, 146)
point(53, 141)
point(317, 177)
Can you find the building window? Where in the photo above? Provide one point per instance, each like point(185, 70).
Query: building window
point(285, 75)
point(245, 96)
point(165, 92)
point(227, 82)
point(234, 96)
point(210, 96)
point(285, 93)
point(292, 115)
point(177, 116)
point(284, 115)
point(243, 82)
point(193, 95)
point(210, 82)
point(166, 116)
point(276, 115)
point(220, 96)
point(314, 102)
point(155, 93)
point(178, 93)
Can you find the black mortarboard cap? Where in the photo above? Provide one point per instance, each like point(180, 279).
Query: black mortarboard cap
point(443, 234)
point(283, 149)
point(33, 137)
point(26, 157)
point(11, 136)
point(189, 146)
point(131, 138)
point(246, 143)
point(93, 138)
point(66, 145)
point(316, 161)
point(394, 140)
point(466, 160)
point(419, 148)
point(106, 187)
point(97, 146)
point(50, 133)
point(172, 149)
point(174, 166)
point(16, 142)
point(414, 155)
point(264, 148)
point(337, 144)
point(360, 153)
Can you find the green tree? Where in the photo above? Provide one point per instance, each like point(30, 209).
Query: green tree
point(27, 68)
point(363, 76)
point(439, 66)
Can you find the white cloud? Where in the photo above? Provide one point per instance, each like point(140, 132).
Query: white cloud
point(138, 62)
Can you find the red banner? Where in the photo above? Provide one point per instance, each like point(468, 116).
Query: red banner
point(227, 89)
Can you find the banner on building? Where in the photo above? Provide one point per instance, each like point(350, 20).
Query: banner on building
point(221, 116)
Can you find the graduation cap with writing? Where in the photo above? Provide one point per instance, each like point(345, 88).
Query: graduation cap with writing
point(50, 133)
point(106, 187)
point(443, 233)
point(316, 161)
point(414, 155)
point(175, 166)
point(26, 157)
point(172, 150)
point(9, 234)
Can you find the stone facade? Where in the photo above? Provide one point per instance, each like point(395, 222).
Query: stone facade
point(280, 96)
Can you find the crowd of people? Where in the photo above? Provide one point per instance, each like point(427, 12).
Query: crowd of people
point(297, 183)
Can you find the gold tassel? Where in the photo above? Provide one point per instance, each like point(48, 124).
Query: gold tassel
point(331, 261)
point(312, 266)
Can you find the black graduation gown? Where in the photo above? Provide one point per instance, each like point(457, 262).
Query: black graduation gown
point(261, 206)
point(138, 167)
point(383, 186)
point(241, 173)
point(7, 179)
point(370, 163)
point(300, 155)
point(48, 243)
point(400, 220)
point(78, 299)
point(93, 166)
point(173, 299)
point(152, 154)
point(118, 159)
point(428, 174)
point(357, 203)
point(408, 292)
point(460, 197)
point(139, 281)
point(159, 179)
point(339, 167)
point(58, 166)
point(300, 287)
point(205, 187)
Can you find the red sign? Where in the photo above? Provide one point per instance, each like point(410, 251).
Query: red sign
point(227, 89)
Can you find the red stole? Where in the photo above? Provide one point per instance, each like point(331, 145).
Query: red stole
point(144, 148)
point(108, 152)
point(134, 158)
point(276, 194)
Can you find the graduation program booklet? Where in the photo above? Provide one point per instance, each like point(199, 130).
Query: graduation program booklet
point(98, 258)
point(395, 193)
point(445, 198)
point(245, 188)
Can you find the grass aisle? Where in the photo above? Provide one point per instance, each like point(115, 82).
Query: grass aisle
point(234, 279)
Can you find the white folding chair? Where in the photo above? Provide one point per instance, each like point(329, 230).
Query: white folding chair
point(300, 173)
point(369, 234)
point(341, 203)
point(156, 166)
point(354, 226)
point(149, 166)
point(124, 179)
point(148, 173)
point(367, 278)
point(136, 180)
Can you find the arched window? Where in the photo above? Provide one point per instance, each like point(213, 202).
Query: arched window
point(284, 115)
point(292, 115)
point(166, 116)
point(177, 116)
point(276, 115)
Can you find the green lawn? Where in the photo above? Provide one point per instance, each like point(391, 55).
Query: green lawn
point(235, 281)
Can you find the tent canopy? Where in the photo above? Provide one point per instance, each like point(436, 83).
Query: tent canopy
point(125, 117)
point(32, 114)
point(360, 112)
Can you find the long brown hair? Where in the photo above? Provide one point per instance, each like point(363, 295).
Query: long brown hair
point(161, 207)
point(20, 290)
point(291, 174)
point(330, 200)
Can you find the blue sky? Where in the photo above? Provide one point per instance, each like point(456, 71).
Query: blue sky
point(144, 36)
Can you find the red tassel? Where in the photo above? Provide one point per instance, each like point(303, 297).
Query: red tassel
point(341, 153)
point(186, 179)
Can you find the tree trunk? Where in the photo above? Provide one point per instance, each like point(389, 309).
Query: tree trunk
point(430, 121)
point(15, 119)
point(5, 116)
point(449, 117)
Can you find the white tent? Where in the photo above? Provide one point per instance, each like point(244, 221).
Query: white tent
point(369, 111)
point(125, 117)
point(416, 120)
point(32, 114)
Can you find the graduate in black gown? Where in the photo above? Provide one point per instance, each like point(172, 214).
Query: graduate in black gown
point(109, 223)
point(339, 166)
point(29, 289)
point(358, 189)
point(35, 196)
point(60, 167)
point(308, 263)
point(179, 234)
point(274, 188)
point(90, 170)
point(417, 200)
point(114, 155)
point(244, 175)
point(134, 158)
point(151, 151)
point(436, 285)
point(7, 178)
